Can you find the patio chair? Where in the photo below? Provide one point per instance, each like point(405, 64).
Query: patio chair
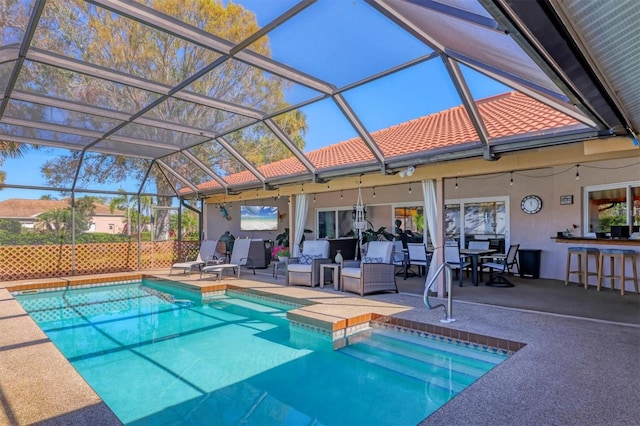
point(400, 258)
point(501, 267)
point(478, 245)
point(239, 258)
point(305, 269)
point(374, 274)
point(418, 256)
point(207, 252)
point(454, 259)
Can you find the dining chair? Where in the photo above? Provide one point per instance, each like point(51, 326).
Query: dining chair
point(399, 259)
point(501, 267)
point(454, 259)
point(418, 256)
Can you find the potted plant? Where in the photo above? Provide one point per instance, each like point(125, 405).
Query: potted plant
point(371, 234)
point(280, 252)
point(283, 238)
point(380, 235)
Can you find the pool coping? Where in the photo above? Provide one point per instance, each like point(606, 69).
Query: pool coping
point(338, 316)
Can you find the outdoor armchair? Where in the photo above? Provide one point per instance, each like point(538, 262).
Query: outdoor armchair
point(305, 269)
point(374, 274)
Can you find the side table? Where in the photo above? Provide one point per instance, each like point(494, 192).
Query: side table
point(335, 274)
point(279, 265)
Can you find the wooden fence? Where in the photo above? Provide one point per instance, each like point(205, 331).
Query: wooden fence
point(47, 261)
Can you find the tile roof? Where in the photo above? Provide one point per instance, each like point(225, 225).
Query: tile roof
point(507, 114)
point(18, 208)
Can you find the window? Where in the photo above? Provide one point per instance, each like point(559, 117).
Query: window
point(611, 205)
point(335, 223)
point(412, 223)
point(477, 219)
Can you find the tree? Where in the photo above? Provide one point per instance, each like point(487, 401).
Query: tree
point(59, 221)
point(188, 225)
point(122, 202)
point(109, 40)
point(9, 150)
point(11, 226)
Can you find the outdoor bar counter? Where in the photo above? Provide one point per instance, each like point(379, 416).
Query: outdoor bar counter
point(601, 241)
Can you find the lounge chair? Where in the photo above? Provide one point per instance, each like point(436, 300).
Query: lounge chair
point(374, 274)
point(239, 257)
point(305, 269)
point(206, 253)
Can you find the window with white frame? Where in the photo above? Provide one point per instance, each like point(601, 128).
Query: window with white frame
point(477, 219)
point(334, 223)
point(610, 205)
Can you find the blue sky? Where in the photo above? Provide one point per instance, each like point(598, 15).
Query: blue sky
point(361, 42)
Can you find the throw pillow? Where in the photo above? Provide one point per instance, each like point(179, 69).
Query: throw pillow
point(372, 260)
point(306, 259)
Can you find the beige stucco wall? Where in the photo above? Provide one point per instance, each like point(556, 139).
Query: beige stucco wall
point(530, 231)
point(102, 224)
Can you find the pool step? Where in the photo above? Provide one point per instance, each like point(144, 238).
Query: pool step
point(447, 367)
point(263, 312)
point(464, 353)
point(422, 371)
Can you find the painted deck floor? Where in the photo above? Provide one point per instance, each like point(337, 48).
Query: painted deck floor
point(579, 366)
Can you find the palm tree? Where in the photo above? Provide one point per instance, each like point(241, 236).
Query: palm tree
point(122, 202)
point(9, 150)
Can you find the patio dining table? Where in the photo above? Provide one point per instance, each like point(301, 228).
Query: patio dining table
point(475, 254)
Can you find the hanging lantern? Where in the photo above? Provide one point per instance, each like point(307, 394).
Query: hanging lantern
point(359, 220)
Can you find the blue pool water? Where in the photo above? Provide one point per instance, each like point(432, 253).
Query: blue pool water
point(157, 355)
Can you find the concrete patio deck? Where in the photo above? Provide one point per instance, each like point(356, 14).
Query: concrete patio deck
point(575, 369)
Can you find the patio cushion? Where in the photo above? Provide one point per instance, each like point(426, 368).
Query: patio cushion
point(299, 267)
point(382, 249)
point(351, 272)
point(316, 247)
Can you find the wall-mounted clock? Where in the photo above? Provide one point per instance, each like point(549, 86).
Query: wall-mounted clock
point(531, 204)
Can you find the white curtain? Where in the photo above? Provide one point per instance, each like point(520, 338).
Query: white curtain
point(302, 206)
point(431, 212)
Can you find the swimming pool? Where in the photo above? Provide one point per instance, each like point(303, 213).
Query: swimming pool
point(157, 355)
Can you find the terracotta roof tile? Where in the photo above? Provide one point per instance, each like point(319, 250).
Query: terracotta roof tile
point(18, 208)
point(507, 114)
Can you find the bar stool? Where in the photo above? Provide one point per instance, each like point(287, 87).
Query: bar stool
point(583, 273)
point(623, 256)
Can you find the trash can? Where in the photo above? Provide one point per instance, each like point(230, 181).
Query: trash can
point(529, 263)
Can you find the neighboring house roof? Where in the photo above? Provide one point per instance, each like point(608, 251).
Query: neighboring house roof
point(508, 114)
point(21, 209)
